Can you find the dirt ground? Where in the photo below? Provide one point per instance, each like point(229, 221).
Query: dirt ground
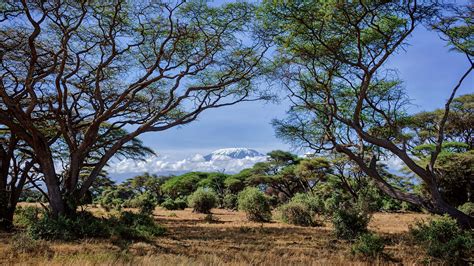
point(230, 239)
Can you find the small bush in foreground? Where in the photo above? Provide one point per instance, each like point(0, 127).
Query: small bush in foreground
point(467, 208)
point(25, 216)
point(350, 222)
point(65, 228)
point(442, 238)
point(255, 204)
point(127, 226)
point(368, 245)
point(296, 213)
point(202, 200)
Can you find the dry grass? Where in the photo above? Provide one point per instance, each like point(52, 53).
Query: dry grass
point(229, 239)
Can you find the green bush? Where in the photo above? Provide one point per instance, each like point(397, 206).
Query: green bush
point(350, 222)
point(139, 226)
point(442, 238)
point(65, 228)
point(25, 216)
point(255, 204)
point(230, 201)
point(297, 213)
point(172, 205)
point(368, 245)
point(112, 199)
point(467, 208)
point(168, 204)
point(145, 202)
point(180, 203)
point(84, 225)
point(202, 200)
point(315, 204)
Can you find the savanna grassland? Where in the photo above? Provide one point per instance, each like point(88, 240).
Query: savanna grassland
point(229, 239)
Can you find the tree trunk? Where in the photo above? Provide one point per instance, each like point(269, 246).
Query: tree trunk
point(442, 207)
point(6, 211)
point(435, 204)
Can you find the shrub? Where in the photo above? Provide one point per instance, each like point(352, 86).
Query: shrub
point(368, 245)
point(230, 201)
point(145, 202)
point(65, 228)
point(350, 222)
point(127, 226)
point(296, 213)
point(180, 203)
point(111, 199)
point(442, 238)
point(172, 205)
point(314, 204)
point(202, 200)
point(255, 204)
point(25, 216)
point(467, 208)
point(135, 226)
point(168, 204)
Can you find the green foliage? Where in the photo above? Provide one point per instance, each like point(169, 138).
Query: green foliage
point(114, 198)
point(442, 238)
point(236, 183)
point(202, 200)
point(350, 222)
point(214, 181)
point(181, 203)
point(368, 245)
point(183, 185)
point(455, 174)
point(85, 225)
point(145, 202)
point(255, 204)
point(64, 228)
point(297, 213)
point(467, 208)
point(178, 204)
point(135, 226)
point(31, 195)
point(230, 201)
point(146, 183)
point(25, 216)
point(168, 204)
point(313, 203)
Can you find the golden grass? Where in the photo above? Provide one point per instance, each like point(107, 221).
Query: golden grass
point(231, 240)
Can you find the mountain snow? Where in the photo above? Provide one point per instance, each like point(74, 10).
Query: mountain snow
point(232, 153)
point(229, 160)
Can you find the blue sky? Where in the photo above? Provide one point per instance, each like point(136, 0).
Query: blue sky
point(429, 69)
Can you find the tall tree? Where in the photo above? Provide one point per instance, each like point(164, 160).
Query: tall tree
point(332, 57)
point(83, 69)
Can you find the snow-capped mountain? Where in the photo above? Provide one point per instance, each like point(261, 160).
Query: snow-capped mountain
point(232, 153)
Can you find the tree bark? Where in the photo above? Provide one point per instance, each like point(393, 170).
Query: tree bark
point(435, 204)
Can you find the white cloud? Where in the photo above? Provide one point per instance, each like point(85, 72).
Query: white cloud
point(157, 164)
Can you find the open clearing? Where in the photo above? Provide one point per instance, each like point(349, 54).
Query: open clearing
point(231, 239)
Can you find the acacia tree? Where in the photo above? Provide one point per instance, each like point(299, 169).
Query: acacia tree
point(77, 67)
point(16, 170)
point(345, 100)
